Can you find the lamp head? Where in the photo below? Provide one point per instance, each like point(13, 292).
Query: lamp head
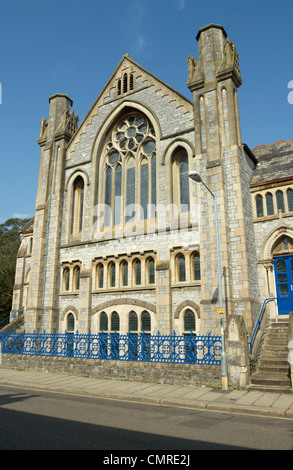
point(195, 176)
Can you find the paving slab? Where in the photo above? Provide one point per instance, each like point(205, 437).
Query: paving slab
point(196, 397)
point(250, 398)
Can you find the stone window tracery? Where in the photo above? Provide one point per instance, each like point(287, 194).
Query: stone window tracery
point(130, 171)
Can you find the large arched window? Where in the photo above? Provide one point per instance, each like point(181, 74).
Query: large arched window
point(180, 179)
point(130, 170)
point(77, 205)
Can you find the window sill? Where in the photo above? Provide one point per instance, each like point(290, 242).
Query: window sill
point(124, 289)
point(179, 285)
point(64, 294)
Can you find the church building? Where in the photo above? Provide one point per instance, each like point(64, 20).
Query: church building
point(123, 239)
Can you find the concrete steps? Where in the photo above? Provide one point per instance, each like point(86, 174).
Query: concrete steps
point(272, 373)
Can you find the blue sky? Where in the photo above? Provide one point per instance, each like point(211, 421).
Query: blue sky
point(73, 47)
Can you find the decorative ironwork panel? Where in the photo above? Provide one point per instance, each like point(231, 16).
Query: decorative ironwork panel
point(178, 349)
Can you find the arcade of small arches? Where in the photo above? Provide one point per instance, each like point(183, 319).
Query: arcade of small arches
point(271, 202)
point(133, 271)
point(135, 321)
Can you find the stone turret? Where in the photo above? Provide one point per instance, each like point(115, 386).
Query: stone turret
point(55, 133)
point(226, 168)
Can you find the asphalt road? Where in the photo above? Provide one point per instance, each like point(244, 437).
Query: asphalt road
point(40, 420)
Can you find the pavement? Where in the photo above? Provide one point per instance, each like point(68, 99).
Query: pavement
point(187, 396)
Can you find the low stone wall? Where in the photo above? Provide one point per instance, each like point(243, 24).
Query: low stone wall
point(192, 374)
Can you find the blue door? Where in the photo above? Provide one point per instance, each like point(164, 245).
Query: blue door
point(284, 284)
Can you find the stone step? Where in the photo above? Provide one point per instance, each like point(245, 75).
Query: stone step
point(271, 388)
point(276, 344)
point(269, 354)
point(271, 336)
point(273, 370)
point(272, 373)
point(277, 334)
point(270, 379)
point(273, 362)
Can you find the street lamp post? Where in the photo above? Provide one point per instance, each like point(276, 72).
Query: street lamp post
point(224, 372)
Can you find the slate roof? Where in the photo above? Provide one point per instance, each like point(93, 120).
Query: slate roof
point(28, 227)
point(275, 162)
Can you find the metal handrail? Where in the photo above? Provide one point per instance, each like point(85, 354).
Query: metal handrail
point(257, 325)
point(13, 316)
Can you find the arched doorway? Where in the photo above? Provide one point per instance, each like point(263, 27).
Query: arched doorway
point(283, 268)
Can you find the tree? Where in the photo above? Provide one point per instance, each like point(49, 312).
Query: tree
point(9, 246)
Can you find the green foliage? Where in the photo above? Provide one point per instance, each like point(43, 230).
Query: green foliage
point(9, 245)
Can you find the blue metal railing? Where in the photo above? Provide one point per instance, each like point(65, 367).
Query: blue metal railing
point(13, 316)
point(257, 325)
point(183, 349)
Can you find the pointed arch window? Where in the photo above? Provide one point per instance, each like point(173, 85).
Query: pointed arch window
point(145, 321)
point(124, 273)
point(184, 183)
point(113, 185)
point(77, 205)
point(189, 321)
point(66, 279)
point(270, 204)
point(259, 206)
point(280, 201)
point(180, 179)
point(100, 275)
point(195, 258)
point(112, 274)
point(129, 176)
point(103, 322)
point(150, 270)
point(181, 268)
point(76, 277)
point(137, 272)
point(70, 323)
point(130, 189)
point(115, 322)
point(290, 199)
point(133, 322)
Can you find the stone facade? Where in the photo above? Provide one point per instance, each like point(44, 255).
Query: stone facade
point(79, 264)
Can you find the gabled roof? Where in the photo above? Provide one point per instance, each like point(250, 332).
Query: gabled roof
point(108, 94)
point(28, 227)
point(275, 162)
